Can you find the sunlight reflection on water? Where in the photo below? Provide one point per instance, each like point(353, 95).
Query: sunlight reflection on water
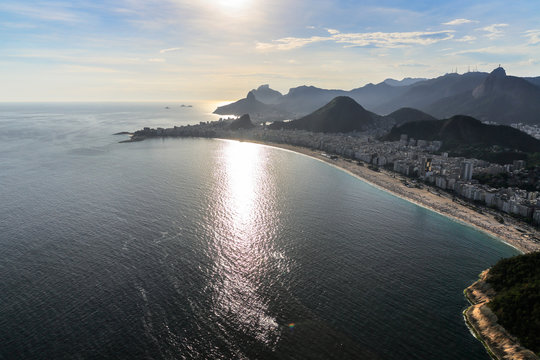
point(242, 242)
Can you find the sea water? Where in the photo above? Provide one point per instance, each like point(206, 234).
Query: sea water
point(214, 249)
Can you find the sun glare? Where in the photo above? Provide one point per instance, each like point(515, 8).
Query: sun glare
point(233, 4)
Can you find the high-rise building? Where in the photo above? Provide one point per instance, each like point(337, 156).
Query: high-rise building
point(466, 170)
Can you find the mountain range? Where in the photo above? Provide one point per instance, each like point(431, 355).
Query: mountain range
point(494, 97)
point(343, 114)
point(466, 136)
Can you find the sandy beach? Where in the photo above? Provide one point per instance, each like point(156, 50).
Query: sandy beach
point(515, 233)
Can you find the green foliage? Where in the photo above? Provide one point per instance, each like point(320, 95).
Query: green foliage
point(517, 303)
point(533, 159)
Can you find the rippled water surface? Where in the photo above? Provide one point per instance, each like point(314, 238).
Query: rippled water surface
point(212, 249)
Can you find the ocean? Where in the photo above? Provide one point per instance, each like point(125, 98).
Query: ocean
point(214, 249)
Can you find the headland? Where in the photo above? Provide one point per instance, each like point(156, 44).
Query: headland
point(499, 343)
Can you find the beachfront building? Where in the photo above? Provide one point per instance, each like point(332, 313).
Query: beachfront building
point(466, 170)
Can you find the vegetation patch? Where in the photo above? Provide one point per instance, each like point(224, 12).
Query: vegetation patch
point(517, 303)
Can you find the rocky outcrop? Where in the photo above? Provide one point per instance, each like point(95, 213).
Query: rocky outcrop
point(243, 122)
point(483, 322)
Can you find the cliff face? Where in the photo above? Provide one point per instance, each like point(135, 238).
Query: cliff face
point(498, 342)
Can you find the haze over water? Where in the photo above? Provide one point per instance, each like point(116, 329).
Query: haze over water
point(196, 248)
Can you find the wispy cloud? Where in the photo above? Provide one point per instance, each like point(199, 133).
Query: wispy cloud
point(466, 38)
point(458, 22)
point(290, 43)
point(534, 37)
point(377, 39)
point(163, 51)
point(89, 69)
point(493, 31)
point(48, 12)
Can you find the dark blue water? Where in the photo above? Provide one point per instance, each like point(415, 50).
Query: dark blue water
point(210, 249)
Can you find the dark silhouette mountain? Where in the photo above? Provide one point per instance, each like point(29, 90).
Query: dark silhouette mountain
point(404, 82)
point(405, 115)
point(257, 110)
point(267, 95)
point(341, 115)
point(462, 131)
point(303, 100)
point(249, 105)
point(424, 93)
point(499, 98)
point(488, 97)
point(373, 95)
point(306, 99)
point(533, 80)
point(243, 122)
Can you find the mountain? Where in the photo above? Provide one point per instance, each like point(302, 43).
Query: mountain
point(533, 80)
point(373, 95)
point(267, 95)
point(422, 94)
point(248, 105)
point(404, 82)
point(492, 97)
point(303, 100)
point(257, 110)
point(466, 136)
point(243, 122)
point(405, 115)
point(499, 98)
point(341, 115)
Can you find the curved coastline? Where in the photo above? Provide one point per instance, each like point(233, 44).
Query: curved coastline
point(478, 317)
point(441, 204)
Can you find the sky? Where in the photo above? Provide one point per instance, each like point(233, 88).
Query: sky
point(181, 50)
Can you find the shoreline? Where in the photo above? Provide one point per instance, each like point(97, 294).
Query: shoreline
point(483, 323)
point(440, 203)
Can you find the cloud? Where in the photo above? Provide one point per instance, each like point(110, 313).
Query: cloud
point(412, 65)
point(534, 37)
point(459, 22)
point(493, 31)
point(290, 43)
point(376, 39)
point(466, 38)
point(163, 51)
point(156, 60)
point(89, 69)
point(492, 50)
point(47, 12)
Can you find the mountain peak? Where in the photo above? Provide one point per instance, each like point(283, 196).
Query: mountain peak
point(342, 114)
point(251, 96)
point(498, 72)
point(344, 100)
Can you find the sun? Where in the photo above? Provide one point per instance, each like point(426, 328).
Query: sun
point(233, 4)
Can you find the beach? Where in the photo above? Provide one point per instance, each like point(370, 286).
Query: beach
point(513, 232)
